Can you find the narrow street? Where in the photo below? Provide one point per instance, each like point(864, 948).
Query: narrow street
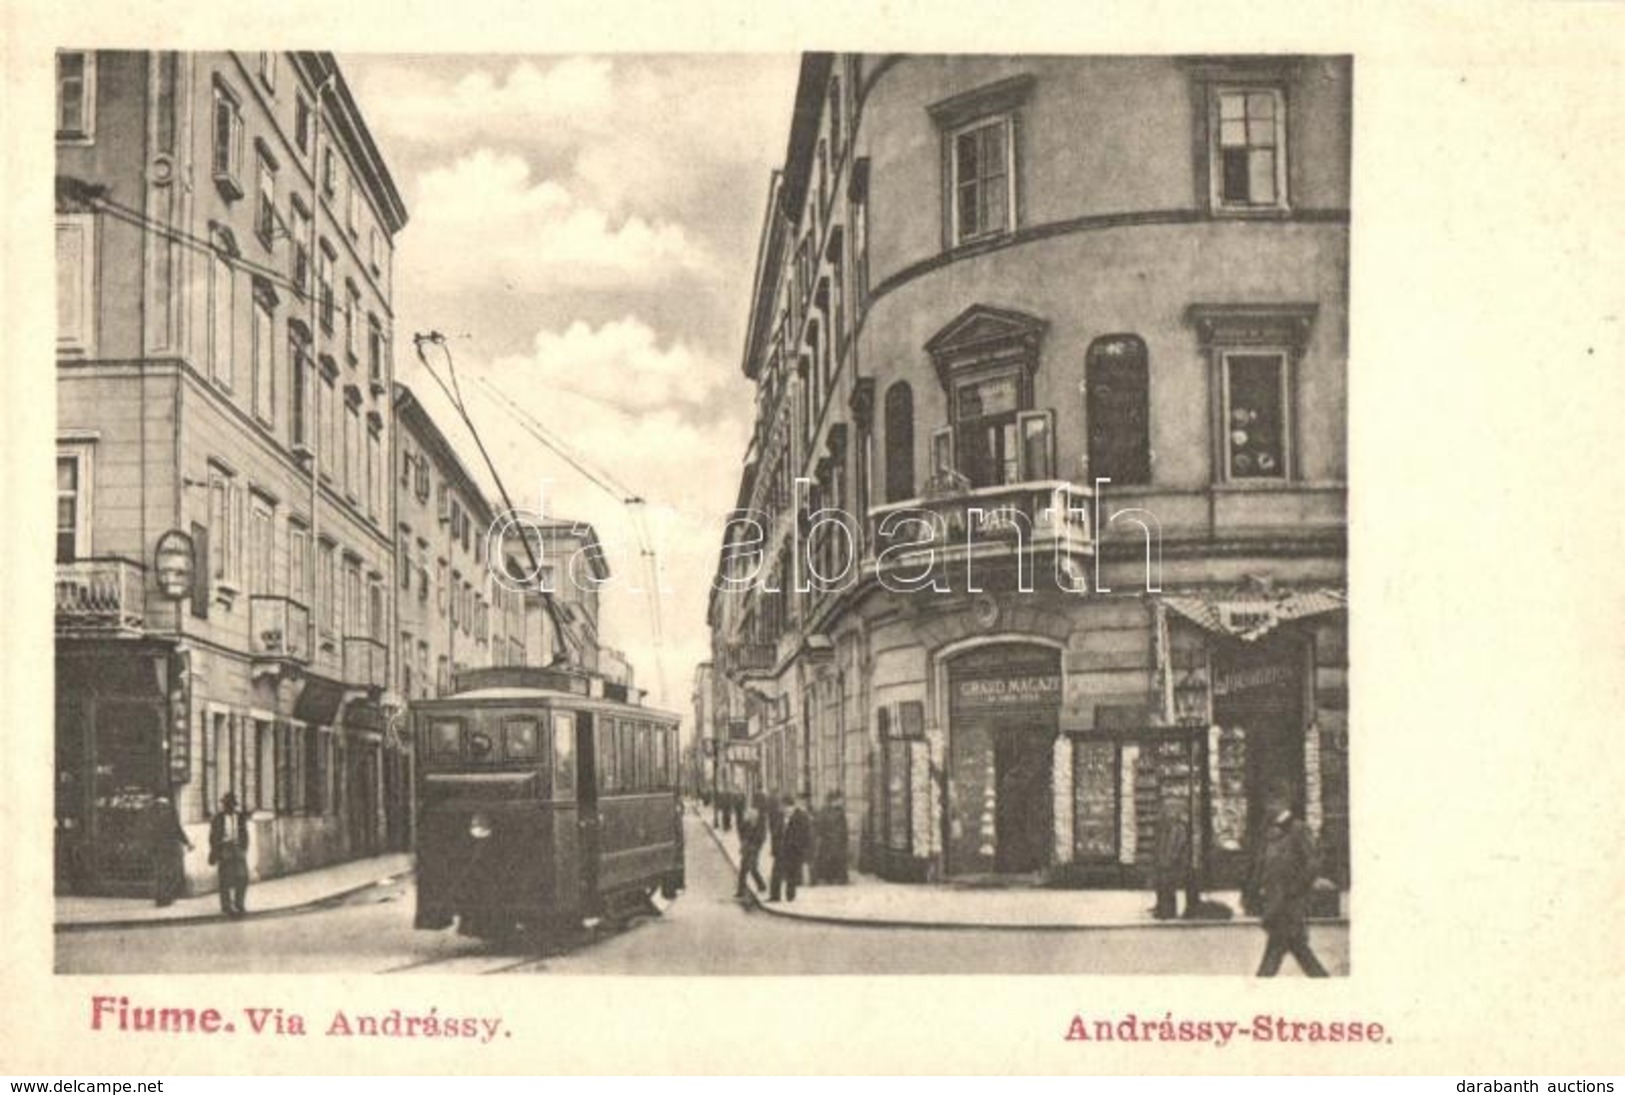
point(705, 931)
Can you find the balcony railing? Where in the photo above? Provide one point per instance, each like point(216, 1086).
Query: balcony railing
point(278, 628)
point(1047, 515)
point(752, 657)
point(366, 662)
point(100, 595)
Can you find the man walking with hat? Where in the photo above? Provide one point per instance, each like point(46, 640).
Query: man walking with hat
point(228, 847)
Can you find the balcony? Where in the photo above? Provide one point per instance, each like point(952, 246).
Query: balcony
point(751, 658)
point(1036, 519)
point(278, 630)
point(366, 662)
point(100, 597)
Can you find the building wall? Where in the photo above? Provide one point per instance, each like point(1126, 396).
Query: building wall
point(163, 397)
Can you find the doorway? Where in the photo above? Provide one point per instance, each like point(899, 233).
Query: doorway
point(1021, 773)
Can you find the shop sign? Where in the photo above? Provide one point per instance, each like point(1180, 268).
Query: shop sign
point(173, 562)
point(1252, 678)
point(1017, 690)
point(180, 717)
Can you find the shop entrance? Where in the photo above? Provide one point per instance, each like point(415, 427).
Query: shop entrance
point(1022, 826)
point(1003, 716)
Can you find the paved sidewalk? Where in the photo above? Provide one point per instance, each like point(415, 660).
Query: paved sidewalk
point(875, 902)
point(271, 895)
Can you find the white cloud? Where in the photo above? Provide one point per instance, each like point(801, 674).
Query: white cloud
point(619, 363)
point(533, 100)
point(484, 222)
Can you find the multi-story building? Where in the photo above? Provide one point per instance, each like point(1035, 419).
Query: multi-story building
point(225, 533)
point(1043, 523)
point(452, 613)
point(563, 571)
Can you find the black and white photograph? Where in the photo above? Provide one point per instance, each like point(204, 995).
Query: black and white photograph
point(850, 524)
point(590, 538)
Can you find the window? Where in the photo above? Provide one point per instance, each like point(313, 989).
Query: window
point(375, 472)
point(354, 622)
point(261, 527)
point(441, 586)
point(859, 191)
point(376, 251)
point(352, 445)
point(225, 528)
point(835, 118)
point(983, 179)
point(73, 483)
point(75, 95)
point(375, 609)
point(1252, 348)
point(303, 126)
point(301, 407)
point(404, 562)
point(265, 219)
point(328, 424)
point(408, 463)
point(227, 160)
point(299, 563)
point(268, 70)
point(324, 285)
point(329, 171)
point(375, 351)
point(1255, 415)
point(76, 283)
point(352, 305)
point(1117, 407)
point(222, 313)
point(327, 589)
point(899, 442)
point(352, 214)
point(421, 486)
point(520, 738)
point(1247, 148)
point(264, 360)
point(299, 232)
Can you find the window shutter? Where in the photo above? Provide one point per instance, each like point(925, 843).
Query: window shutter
point(201, 581)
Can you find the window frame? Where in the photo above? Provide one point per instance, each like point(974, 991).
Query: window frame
point(262, 360)
point(86, 132)
point(1284, 389)
point(1217, 202)
point(81, 340)
point(1098, 358)
point(1005, 121)
point(83, 455)
point(265, 214)
point(226, 165)
point(268, 70)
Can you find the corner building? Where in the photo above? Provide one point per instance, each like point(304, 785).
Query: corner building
point(984, 285)
point(225, 239)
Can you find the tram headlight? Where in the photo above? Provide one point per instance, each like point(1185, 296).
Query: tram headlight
point(479, 826)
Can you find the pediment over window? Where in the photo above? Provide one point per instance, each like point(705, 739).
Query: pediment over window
point(1253, 324)
point(982, 333)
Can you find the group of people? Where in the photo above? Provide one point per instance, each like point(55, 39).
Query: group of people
point(799, 843)
point(228, 850)
point(1284, 866)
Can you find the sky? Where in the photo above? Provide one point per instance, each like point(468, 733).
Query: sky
point(583, 229)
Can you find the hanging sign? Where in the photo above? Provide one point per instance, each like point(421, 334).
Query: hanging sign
point(173, 561)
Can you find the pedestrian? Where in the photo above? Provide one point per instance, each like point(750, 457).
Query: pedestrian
point(794, 847)
point(1287, 864)
point(1171, 871)
point(778, 813)
point(727, 811)
point(752, 834)
point(168, 863)
point(832, 839)
point(228, 848)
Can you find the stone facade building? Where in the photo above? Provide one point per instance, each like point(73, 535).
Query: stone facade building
point(1043, 524)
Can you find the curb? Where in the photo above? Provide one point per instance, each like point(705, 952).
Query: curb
point(297, 909)
point(778, 909)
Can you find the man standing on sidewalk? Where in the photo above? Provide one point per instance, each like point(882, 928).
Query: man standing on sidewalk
point(752, 832)
point(228, 847)
point(1286, 873)
point(794, 847)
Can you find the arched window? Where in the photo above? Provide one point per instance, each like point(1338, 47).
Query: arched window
point(899, 442)
point(1117, 405)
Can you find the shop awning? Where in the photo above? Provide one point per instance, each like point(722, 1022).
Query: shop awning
point(1250, 617)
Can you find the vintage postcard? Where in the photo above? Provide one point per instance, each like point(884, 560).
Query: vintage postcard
point(970, 550)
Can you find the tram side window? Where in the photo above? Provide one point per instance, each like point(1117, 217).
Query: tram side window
point(606, 755)
point(663, 757)
point(627, 758)
point(645, 769)
point(564, 754)
point(445, 739)
point(519, 739)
